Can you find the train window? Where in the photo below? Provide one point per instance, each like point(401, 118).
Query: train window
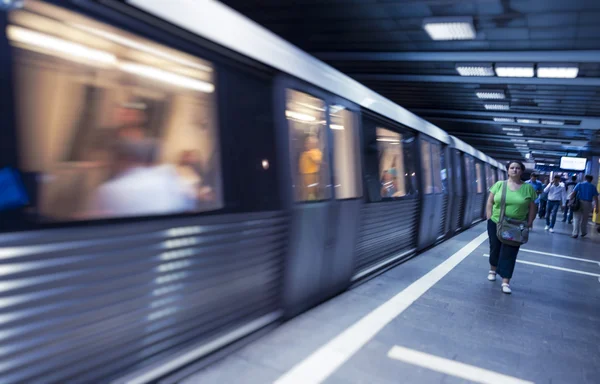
point(436, 161)
point(110, 124)
point(392, 174)
point(479, 177)
point(426, 165)
point(346, 160)
point(308, 146)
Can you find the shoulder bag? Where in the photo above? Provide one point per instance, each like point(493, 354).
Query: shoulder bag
point(511, 231)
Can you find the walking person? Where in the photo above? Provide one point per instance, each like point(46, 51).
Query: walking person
point(557, 196)
point(568, 210)
point(519, 205)
point(587, 193)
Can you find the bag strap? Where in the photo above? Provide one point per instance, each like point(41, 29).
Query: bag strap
point(503, 201)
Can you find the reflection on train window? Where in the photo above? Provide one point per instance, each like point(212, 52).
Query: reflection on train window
point(437, 168)
point(308, 146)
point(392, 173)
point(426, 165)
point(346, 154)
point(469, 172)
point(488, 176)
point(112, 124)
point(479, 178)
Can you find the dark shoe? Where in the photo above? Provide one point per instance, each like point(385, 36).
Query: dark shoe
point(570, 222)
point(583, 234)
point(574, 236)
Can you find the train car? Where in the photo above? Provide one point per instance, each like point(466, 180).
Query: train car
point(191, 179)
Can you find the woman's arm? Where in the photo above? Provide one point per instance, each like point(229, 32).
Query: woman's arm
point(532, 213)
point(489, 206)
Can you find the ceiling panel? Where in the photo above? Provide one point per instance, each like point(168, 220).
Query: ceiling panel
point(374, 26)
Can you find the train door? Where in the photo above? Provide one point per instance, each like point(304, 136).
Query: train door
point(479, 191)
point(389, 218)
point(320, 135)
point(470, 189)
point(488, 184)
point(459, 197)
point(434, 195)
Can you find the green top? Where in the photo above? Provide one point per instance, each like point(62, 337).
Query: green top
point(517, 202)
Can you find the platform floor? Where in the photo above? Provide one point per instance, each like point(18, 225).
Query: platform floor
point(437, 319)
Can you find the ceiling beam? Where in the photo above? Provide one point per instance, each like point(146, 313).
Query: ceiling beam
point(591, 56)
point(593, 121)
point(583, 125)
point(580, 81)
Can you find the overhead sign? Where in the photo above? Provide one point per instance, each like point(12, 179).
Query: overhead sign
point(573, 163)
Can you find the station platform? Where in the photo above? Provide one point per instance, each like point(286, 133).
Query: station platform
point(437, 319)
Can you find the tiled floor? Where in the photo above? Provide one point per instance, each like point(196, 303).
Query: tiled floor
point(547, 331)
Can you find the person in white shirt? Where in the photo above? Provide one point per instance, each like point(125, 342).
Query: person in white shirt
point(557, 197)
point(140, 188)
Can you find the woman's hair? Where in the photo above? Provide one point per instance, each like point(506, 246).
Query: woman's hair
point(516, 162)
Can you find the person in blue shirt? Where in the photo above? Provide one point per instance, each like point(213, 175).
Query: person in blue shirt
point(587, 193)
point(538, 187)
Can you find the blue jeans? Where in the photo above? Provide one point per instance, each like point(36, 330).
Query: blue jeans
point(552, 210)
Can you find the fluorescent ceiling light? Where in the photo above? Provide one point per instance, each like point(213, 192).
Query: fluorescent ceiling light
point(504, 119)
point(535, 141)
point(511, 129)
point(514, 70)
point(449, 28)
point(299, 116)
point(518, 140)
point(490, 94)
point(553, 122)
point(42, 40)
point(540, 163)
point(558, 71)
point(388, 140)
point(528, 121)
point(521, 146)
point(475, 69)
point(141, 47)
point(336, 126)
point(497, 106)
point(514, 134)
point(167, 77)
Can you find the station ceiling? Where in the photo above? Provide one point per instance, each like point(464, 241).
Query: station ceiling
point(383, 44)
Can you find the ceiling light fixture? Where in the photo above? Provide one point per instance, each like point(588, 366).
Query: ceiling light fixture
point(475, 69)
point(511, 129)
point(514, 70)
point(336, 126)
point(558, 71)
point(504, 119)
point(553, 122)
point(517, 140)
point(528, 121)
point(497, 106)
point(496, 94)
point(450, 28)
point(514, 134)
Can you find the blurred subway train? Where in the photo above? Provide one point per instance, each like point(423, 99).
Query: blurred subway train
point(191, 178)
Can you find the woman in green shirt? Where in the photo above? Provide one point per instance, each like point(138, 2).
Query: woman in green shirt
point(520, 205)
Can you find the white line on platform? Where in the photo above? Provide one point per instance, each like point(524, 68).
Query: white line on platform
point(554, 267)
point(327, 359)
point(451, 367)
point(560, 256)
